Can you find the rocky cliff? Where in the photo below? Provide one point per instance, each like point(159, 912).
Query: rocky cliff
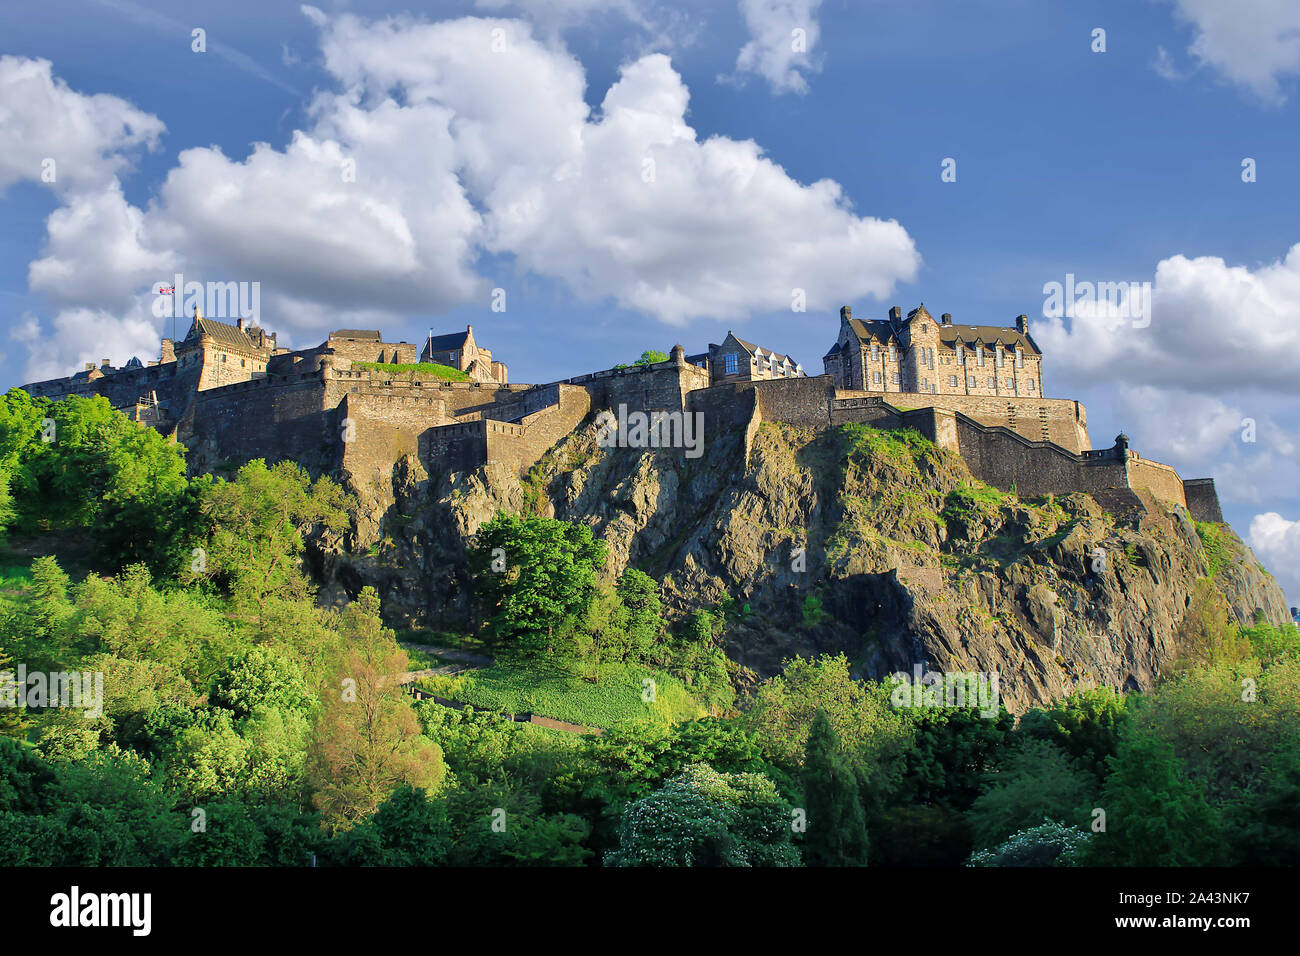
point(870, 542)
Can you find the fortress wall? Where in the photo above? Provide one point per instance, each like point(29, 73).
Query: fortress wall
point(1202, 499)
point(368, 350)
point(726, 407)
point(385, 425)
point(458, 447)
point(663, 386)
point(457, 397)
point(1059, 420)
point(1160, 480)
point(521, 445)
point(1006, 459)
point(263, 418)
point(797, 401)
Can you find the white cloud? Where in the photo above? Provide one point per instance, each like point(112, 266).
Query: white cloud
point(1253, 43)
point(81, 335)
point(1276, 542)
point(89, 138)
point(470, 138)
point(1212, 327)
point(783, 35)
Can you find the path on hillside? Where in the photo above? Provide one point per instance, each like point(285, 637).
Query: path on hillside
point(474, 661)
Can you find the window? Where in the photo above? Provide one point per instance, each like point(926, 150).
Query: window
point(1020, 358)
point(952, 381)
point(970, 381)
point(729, 363)
point(876, 378)
point(1002, 358)
point(875, 352)
point(1031, 384)
point(924, 386)
point(979, 355)
point(993, 382)
point(1007, 384)
point(241, 363)
point(896, 381)
point(961, 355)
point(893, 354)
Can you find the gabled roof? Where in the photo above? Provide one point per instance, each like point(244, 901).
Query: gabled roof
point(878, 330)
point(227, 335)
point(988, 336)
point(753, 349)
point(445, 343)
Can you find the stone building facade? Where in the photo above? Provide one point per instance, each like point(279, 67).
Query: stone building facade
point(458, 350)
point(920, 354)
point(736, 360)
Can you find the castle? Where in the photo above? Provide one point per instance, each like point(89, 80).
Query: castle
point(355, 405)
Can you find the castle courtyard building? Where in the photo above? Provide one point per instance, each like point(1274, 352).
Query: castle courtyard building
point(919, 354)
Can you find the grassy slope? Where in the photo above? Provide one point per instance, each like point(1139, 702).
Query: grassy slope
point(616, 700)
point(416, 368)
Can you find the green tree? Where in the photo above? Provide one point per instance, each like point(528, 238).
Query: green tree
point(258, 522)
point(535, 579)
point(651, 356)
point(1155, 815)
point(368, 741)
point(1039, 782)
point(837, 827)
point(784, 707)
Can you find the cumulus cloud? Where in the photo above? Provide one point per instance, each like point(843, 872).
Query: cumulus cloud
point(783, 35)
point(1253, 43)
point(444, 143)
point(89, 139)
point(1212, 327)
point(1276, 542)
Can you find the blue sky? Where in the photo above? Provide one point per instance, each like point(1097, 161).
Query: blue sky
point(482, 168)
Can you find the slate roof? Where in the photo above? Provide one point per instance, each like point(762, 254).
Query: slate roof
point(227, 335)
point(883, 332)
point(446, 343)
point(751, 348)
point(987, 335)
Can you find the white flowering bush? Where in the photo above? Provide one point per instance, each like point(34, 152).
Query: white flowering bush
point(1049, 844)
point(706, 818)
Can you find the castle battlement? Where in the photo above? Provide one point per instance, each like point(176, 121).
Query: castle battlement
point(231, 396)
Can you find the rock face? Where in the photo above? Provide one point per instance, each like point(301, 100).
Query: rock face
point(869, 542)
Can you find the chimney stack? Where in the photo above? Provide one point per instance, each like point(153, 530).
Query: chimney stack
point(845, 313)
point(947, 318)
point(104, 363)
point(895, 314)
point(239, 323)
point(1022, 324)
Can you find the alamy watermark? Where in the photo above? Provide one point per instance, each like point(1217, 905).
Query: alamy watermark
point(667, 429)
point(218, 300)
point(1121, 301)
point(72, 690)
point(975, 690)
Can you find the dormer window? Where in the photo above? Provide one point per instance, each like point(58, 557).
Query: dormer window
point(893, 353)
